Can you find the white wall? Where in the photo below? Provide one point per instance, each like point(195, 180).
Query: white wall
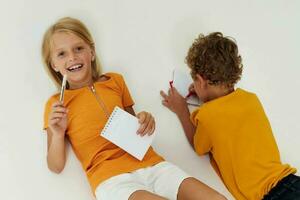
point(143, 40)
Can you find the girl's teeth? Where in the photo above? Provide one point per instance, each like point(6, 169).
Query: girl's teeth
point(74, 67)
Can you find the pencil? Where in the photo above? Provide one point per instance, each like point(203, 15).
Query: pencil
point(63, 87)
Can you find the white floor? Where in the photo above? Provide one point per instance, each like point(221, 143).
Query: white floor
point(144, 41)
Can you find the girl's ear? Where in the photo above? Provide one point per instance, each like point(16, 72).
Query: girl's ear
point(93, 55)
point(54, 68)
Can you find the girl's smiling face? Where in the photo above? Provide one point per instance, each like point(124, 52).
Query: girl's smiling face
point(71, 55)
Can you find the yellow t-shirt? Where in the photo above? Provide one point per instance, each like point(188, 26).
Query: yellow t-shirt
point(100, 158)
point(236, 133)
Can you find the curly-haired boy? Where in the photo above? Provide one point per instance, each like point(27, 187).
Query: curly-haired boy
point(231, 125)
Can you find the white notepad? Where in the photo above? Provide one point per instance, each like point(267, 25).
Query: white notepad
point(181, 81)
point(121, 129)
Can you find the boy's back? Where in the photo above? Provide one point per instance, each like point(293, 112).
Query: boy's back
point(235, 129)
point(231, 125)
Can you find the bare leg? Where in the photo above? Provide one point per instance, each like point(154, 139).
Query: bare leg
point(145, 195)
point(192, 189)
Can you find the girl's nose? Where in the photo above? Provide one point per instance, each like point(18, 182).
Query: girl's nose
point(72, 57)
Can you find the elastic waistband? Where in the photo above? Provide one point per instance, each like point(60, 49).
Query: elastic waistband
point(283, 186)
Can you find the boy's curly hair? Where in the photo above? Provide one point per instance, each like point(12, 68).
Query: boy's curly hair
point(216, 59)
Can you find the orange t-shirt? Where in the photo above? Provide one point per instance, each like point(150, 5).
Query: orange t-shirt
point(100, 158)
point(235, 131)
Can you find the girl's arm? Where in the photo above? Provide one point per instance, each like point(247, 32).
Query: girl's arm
point(56, 156)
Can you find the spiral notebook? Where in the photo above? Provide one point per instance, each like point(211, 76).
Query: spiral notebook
point(121, 129)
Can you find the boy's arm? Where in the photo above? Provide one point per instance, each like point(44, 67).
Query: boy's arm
point(177, 104)
point(187, 125)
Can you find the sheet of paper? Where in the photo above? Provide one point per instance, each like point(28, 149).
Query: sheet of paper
point(182, 81)
point(121, 129)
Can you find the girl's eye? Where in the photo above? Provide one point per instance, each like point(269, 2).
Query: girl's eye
point(79, 48)
point(61, 54)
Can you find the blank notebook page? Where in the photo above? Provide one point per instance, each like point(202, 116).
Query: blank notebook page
point(121, 129)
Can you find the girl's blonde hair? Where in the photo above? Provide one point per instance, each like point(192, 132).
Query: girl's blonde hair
point(68, 25)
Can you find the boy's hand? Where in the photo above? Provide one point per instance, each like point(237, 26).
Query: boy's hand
point(58, 119)
point(147, 123)
point(192, 88)
point(174, 101)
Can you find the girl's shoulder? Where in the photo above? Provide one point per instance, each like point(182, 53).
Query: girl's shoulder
point(110, 76)
point(53, 98)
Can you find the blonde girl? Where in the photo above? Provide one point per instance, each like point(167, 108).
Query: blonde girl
point(90, 97)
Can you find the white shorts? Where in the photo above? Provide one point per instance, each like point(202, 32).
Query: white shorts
point(162, 179)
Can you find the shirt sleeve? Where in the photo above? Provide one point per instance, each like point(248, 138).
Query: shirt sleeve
point(202, 142)
point(126, 97)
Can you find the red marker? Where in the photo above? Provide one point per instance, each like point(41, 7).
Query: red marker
point(171, 84)
point(190, 94)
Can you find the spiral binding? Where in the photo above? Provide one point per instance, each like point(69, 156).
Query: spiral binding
point(111, 117)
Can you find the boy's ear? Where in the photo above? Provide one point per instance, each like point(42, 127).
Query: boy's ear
point(201, 81)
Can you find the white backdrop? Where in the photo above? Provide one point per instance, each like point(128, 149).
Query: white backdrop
point(144, 41)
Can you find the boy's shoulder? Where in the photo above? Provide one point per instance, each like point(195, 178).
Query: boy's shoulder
point(241, 90)
point(236, 95)
point(245, 95)
point(239, 103)
point(238, 98)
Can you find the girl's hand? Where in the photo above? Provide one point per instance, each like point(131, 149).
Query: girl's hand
point(174, 101)
point(58, 119)
point(147, 123)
